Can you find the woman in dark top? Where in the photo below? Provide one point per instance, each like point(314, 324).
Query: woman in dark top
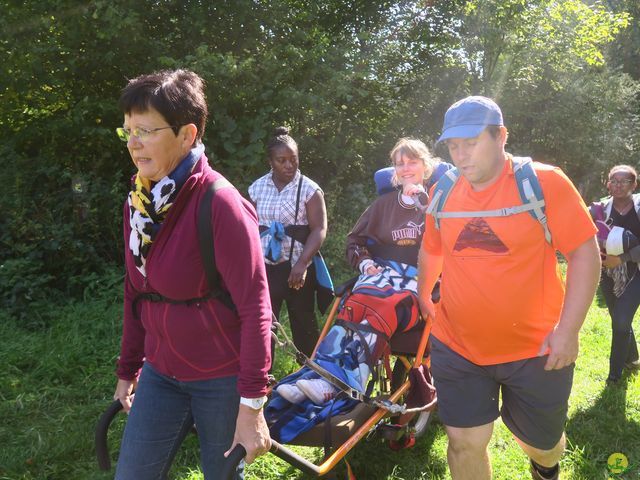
point(620, 280)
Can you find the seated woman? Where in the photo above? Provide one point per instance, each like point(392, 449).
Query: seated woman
point(383, 246)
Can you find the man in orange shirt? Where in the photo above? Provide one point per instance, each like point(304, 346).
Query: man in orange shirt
point(505, 323)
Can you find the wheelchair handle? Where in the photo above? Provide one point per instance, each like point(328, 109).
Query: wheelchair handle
point(232, 461)
point(102, 449)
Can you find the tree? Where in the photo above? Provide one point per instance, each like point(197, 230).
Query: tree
point(544, 61)
point(349, 78)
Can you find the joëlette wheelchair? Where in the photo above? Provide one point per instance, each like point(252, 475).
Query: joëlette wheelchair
point(383, 413)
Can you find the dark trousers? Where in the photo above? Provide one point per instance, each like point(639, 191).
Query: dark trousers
point(300, 305)
point(622, 310)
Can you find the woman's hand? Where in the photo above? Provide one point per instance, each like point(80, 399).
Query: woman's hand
point(298, 275)
point(369, 267)
point(252, 433)
point(124, 393)
point(411, 189)
point(373, 270)
point(611, 261)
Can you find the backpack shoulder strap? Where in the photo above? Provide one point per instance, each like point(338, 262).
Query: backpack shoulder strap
point(207, 248)
point(441, 193)
point(530, 191)
point(295, 219)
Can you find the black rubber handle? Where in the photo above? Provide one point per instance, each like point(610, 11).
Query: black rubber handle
point(234, 458)
point(102, 449)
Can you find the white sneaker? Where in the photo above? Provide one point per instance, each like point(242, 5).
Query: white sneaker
point(290, 393)
point(318, 390)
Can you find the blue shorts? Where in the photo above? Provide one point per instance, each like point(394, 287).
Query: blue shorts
point(534, 400)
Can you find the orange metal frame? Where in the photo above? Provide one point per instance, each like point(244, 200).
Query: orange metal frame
point(329, 463)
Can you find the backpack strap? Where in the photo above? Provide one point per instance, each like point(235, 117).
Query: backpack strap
point(441, 194)
point(531, 192)
point(207, 249)
point(295, 219)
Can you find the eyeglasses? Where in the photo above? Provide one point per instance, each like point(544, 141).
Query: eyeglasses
point(140, 133)
point(624, 181)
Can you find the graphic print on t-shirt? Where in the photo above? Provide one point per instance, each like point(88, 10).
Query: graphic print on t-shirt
point(478, 234)
point(407, 235)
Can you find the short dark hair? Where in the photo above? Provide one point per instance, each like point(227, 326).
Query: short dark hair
point(178, 95)
point(281, 137)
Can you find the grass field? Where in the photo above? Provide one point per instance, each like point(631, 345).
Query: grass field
point(55, 382)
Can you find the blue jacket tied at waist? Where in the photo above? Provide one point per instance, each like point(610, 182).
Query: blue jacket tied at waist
point(274, 249)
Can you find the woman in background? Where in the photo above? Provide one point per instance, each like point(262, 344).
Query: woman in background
point(293, 224)
point(618, 221)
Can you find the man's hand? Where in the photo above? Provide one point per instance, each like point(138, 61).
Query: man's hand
point(583, 273)
point(124, 390)
point(563, 349)
point(252, 433)
point(427, 307)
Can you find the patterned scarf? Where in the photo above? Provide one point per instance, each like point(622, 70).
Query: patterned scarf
point(149, 203)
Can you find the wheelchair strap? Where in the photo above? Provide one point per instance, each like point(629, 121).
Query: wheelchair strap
point(327, 431)
point(358, 328)
point(336, 382)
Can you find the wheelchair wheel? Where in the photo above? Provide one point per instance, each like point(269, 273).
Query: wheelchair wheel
point(419, 422)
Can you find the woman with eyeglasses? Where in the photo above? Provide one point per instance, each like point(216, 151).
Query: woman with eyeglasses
point(194, 357)
point(618, 221)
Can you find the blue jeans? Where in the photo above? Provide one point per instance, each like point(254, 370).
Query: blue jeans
point(163, 412)
point(622, 310)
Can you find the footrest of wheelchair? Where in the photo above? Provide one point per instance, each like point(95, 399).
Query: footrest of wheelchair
point(342, 427)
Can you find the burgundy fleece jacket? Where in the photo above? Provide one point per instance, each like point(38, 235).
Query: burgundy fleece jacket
point(205, 340)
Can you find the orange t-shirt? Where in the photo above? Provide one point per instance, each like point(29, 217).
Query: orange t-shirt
point(501, 290)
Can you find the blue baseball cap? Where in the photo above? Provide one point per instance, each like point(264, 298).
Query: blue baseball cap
point(467, 118)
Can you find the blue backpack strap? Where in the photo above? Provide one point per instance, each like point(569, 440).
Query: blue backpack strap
point(441, 193)
point(530, 191)
point(439, 170)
